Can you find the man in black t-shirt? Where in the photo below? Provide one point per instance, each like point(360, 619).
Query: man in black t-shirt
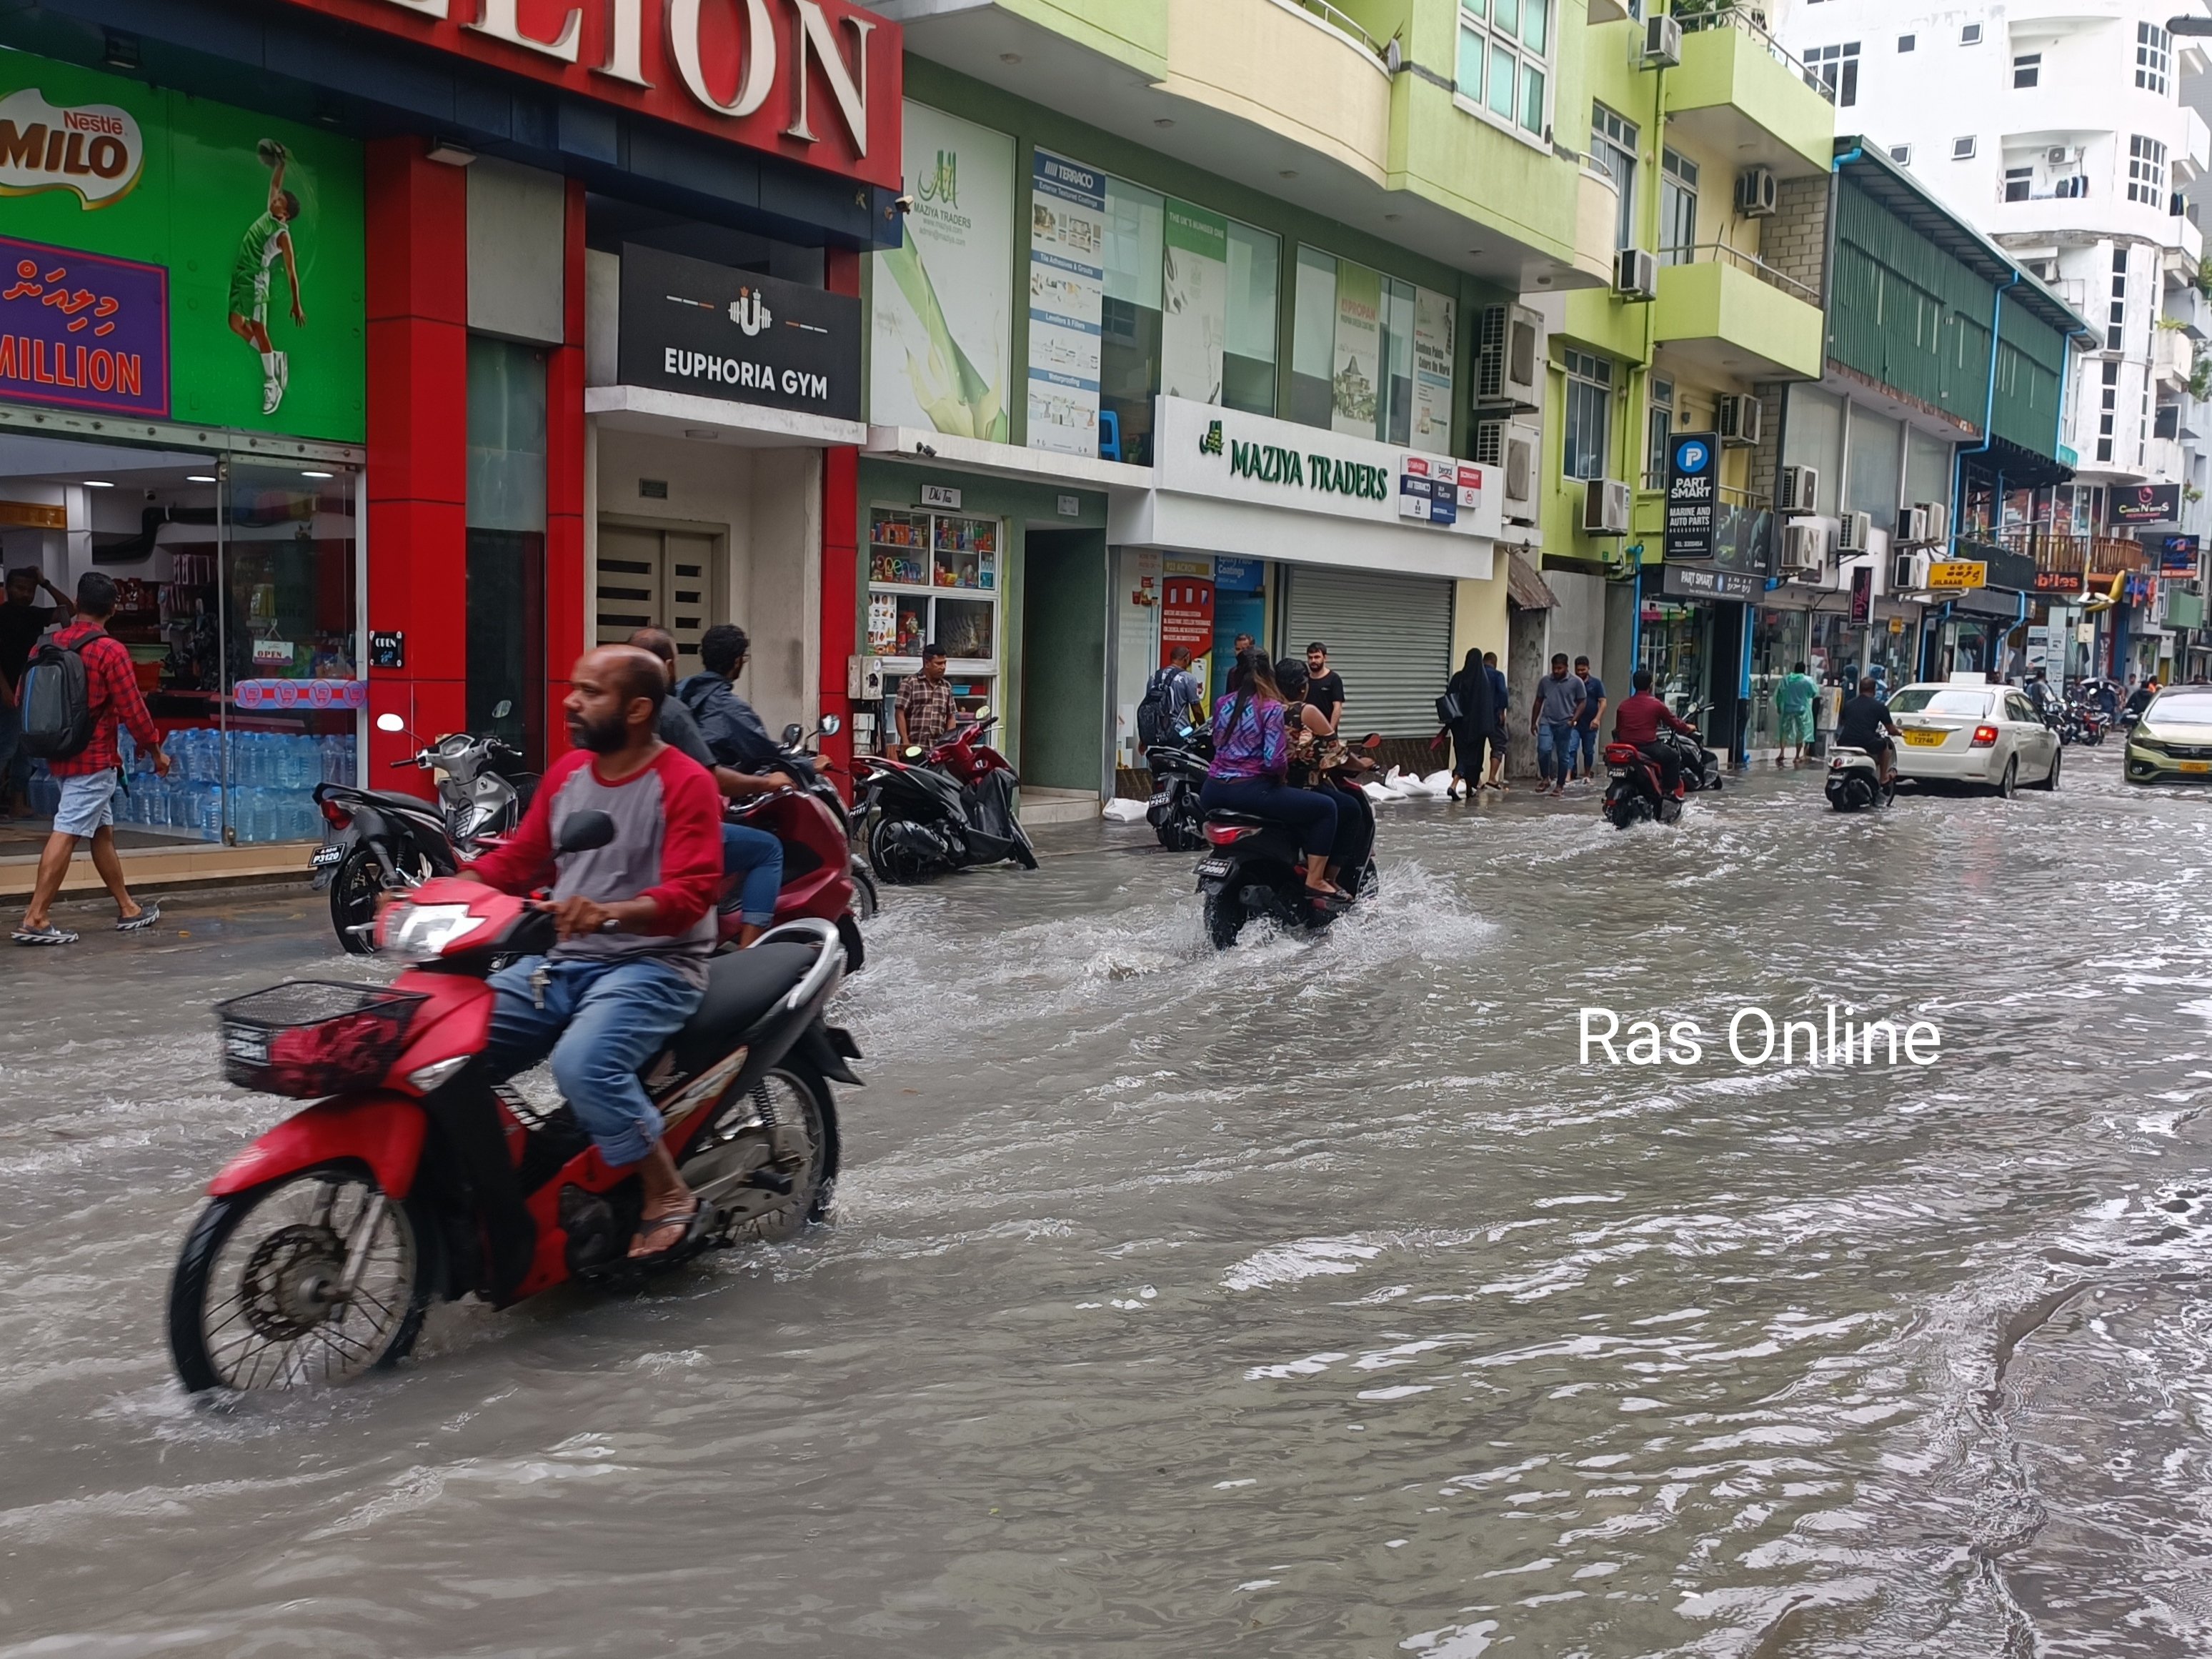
point(1324, 686)
point(1864, 723)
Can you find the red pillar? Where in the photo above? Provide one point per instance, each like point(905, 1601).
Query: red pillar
point(840, 552)
point(417, 480)
point(566, 619)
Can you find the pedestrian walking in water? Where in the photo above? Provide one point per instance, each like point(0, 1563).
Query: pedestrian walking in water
point(1501, 696)
point(1472, 721)
point(1793, 704)
point(1551, 715)
point(1586, 723)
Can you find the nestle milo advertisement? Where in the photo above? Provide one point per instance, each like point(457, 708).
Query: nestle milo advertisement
point(172, 258)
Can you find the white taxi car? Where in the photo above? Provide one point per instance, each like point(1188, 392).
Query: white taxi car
point(1967, 730)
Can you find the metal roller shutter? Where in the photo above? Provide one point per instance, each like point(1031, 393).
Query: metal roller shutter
point(1389, 637)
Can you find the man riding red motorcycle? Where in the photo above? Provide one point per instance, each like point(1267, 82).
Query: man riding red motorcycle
point(1638, 722)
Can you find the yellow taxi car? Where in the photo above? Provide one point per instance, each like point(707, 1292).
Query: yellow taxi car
point(2173, 741)
point(1968, 731)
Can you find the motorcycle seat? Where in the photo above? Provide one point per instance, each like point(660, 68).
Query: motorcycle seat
point(1239, 818)
point(741, 987)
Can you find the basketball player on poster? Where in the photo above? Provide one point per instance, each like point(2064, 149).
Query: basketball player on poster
point(267, 240)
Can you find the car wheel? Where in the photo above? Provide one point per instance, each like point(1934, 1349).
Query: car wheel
point(2008, 784)
point(2050, 778)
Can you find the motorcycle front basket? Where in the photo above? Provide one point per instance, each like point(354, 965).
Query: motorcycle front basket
point(313, 1037)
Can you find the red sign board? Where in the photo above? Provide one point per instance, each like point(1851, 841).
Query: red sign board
point(1185, 616)
point(816, 81)
point(2058, 581)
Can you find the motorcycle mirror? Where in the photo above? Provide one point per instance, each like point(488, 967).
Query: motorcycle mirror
point(832, 726)
point(584, 832)
point(984, 712)
point(794, 735)
point(389, 723)
point(1372, 740)
point(913, 752)
point(501, 709)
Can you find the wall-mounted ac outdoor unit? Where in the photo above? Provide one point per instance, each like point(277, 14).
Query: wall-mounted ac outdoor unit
point(1738, 417)
point(1804, 549)
point(1908, 572)
point(1935, 523)
point(1755, 192)
point(2058, 156)
point(1801, 489)
point(1513, 449)
point(1605, 507)
point(1855, 534)
point(1911, 527)
point(1662, 41)
point(1509, 358)
point(1636, 273)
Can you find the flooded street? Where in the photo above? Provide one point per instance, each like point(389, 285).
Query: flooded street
point(1309, 1299)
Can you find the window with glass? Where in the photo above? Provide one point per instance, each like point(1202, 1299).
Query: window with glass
point(2117, 316)
point(1906, 42)
point(1873, 466)
point(2153, 56)
point(1962, 150)
point(2108, 408)
point(1970, 34)
point(1836, 68)
point(1901, 153)
point(1129, 314)
point(1658, 429)
point(1678, 208)
point(2146, 171)
point(1248, 361)
point(933, 579)
point(1590, 414)
point(1612, 152)
point(505, 546)
point(1505, 59)
point(1370, 355)
point(2026, 69)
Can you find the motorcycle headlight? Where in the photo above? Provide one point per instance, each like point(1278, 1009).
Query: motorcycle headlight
point(425, 930)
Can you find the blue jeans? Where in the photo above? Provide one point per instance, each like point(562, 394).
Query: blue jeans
point(1308, 813)
point(1586, 743)
point(604, 1017)
point(1555, 749)
point(759, 855)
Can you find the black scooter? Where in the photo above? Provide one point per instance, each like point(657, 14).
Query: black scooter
point(1178, 770)
point(951, 808)
point(1253, 870)
point(1855, 781)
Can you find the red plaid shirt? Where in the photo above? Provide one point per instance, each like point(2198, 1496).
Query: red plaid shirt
point(112, 685)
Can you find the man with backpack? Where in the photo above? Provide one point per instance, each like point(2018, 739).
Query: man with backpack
point(78, 688)
point(1170, 702)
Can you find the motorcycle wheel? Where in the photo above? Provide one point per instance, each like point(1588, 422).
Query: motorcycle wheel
point(739, 1142)
point(894, 865)
point(864, 903)
point(1621, 811)
point(1023, 854)
point(355, 886)
point(856, 949)
point(1224, 919)
point(250, 1306)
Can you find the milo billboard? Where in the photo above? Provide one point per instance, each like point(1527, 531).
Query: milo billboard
point(175, 259)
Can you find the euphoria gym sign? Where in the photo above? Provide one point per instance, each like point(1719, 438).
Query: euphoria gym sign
point(1274, 463)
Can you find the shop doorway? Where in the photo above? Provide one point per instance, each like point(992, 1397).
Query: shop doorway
point(1064, 736)
point(652, 576)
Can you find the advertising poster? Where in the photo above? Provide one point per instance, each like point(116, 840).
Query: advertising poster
point(2133, 504)
point(169, 257)
point(1067, 282)
point(943, 298)
point(1433, 347)
point(1355, 372)
point(1692, 495)
point(1186, 604)
point(1194, 302)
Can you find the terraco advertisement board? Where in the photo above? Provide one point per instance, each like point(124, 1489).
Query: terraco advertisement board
point(173, 258)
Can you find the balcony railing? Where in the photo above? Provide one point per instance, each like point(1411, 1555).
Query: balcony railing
point(1699, 14)
point(1709, 253)
point(2080, 556)
point(1342, 24)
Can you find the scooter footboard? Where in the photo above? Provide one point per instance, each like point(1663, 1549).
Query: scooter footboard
point(382, 1130)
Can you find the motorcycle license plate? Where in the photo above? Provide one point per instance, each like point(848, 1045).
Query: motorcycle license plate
point(1160, 799)
point(1213, 870)
point(325, 857)
point(1926, 739)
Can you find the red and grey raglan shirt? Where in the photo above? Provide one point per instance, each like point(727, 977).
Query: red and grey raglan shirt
point(667, 847)
point(111, 686)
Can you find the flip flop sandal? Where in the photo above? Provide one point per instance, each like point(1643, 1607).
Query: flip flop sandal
point(147, 916)
point(694, 1230)
point(49, 934)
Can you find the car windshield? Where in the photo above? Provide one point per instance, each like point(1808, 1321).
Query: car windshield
point(2192, 708)
point(1935, 699)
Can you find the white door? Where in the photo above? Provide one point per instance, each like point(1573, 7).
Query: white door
point(655, 579)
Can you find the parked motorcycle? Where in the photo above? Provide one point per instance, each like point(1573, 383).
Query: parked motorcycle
point(1855, 781)
point(478, 803)
point(407, 1181)
point(1178, 770)
point(2085, 723)
point(948, 809)
point(822, 876)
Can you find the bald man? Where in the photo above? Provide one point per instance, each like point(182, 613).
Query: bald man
point(636, 921)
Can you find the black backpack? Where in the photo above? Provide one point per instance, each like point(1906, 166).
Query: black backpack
point(1152, 709)
point(57, 720)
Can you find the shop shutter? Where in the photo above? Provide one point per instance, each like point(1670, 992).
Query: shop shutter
point(1389, 637)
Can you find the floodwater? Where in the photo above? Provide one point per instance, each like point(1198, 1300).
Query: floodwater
point(1310, 1299)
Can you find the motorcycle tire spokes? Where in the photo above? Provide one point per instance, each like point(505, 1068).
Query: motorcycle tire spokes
point(762, 1160)
point(896, 864)
point(316, 1278)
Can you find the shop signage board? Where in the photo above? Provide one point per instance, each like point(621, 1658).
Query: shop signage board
point(1699, 581)
point(1067, 288)
point(2145, 504)
point(162, 234)
point(944, 297)
point(1862, 610)
point(2177, 555)
point(816, 81)
point(2059, 581)
point(1433, 347)
point(1954, 575)
point(1693, 494)
point(713, 332)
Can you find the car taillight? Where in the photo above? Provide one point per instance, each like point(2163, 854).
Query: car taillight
point(1983, 737)
point(336, 815)
point(1228, 835)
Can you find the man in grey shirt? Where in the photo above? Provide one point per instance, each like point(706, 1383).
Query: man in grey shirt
point(1552, 714)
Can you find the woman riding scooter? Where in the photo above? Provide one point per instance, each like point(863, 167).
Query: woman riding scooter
point(1320, 760)
point(1249, 773)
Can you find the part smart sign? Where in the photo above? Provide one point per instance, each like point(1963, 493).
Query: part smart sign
point(713, 332)
point(1693, 494)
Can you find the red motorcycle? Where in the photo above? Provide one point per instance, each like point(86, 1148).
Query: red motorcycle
point(948, 809)
point(819, 880)
point(409, 1180)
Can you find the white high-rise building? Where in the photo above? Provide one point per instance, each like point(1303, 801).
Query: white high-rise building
point(2058, 128)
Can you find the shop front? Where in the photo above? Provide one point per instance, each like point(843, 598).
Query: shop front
point(1980, 632)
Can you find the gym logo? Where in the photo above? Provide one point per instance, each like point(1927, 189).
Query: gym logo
point(750, 312)
point(94, 149)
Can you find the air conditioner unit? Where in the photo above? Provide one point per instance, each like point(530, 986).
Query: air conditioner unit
point(1855, 533)
point(1935, 523)
point(1738, 417)
point(1605, 507)
point(1524, 445)
point(1908, 572)
point(2058, 156)
point(1489, 442)
point(1801, 489)
point(1911, 527)
point(1804, 549)
point(1636, 272)
point(1755, 192)
point(1662, 41)
point(1509, 358)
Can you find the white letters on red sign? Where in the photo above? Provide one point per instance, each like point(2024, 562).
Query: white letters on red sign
point(499, 21)
point(760, 57)
point(851, 94)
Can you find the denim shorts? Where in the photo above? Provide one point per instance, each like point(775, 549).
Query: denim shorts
point(88, 803)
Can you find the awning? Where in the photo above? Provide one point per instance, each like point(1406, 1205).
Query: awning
point(1525, 587)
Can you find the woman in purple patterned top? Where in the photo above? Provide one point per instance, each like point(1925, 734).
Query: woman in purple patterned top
point(1249, 773)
